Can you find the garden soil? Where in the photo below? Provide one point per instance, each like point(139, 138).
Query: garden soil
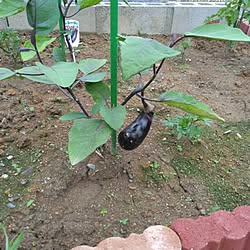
point(61, 206)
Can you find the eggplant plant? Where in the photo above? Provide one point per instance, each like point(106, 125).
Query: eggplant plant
point(137, 55)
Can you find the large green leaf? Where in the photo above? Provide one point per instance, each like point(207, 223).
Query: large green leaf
point(58, 55)
point(90, 65)
point(188, 104)
point(87, 3)
point(100, 93)
point(218, 32)
point(43, 15)
point(98, 90)
point(61, 73)
point(95, 77)
point(138, 54)
point(72, 116)
point(114, 116)
point(33, 73)
point(11, 7)
point(6, 73)
point(41, 42)
point(85, 136)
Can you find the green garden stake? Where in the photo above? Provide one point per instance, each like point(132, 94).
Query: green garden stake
point(113, 62)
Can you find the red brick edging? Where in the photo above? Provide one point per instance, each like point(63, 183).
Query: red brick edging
point(221, 230)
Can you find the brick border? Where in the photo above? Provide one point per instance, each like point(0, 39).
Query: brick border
point(221, 230)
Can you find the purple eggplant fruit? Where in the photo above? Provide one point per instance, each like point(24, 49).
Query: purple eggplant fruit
point(134, 134)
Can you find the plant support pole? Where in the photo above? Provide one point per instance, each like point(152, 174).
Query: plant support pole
point(113, 62)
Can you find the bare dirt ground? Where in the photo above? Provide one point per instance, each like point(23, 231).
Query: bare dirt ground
point(73, 205)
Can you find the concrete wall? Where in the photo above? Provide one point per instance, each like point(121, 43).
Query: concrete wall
point(149, 17)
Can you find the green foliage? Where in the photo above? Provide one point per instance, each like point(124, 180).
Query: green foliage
point(85, 136)
point(138, 54)
point(100, 92)
point(104, 212)
point(82, 4)
point(10, 43)
point(124, 221)
point(95, 77)
point(183, 47)
point(188, 104)
point(61, 73)
point(38, 12)
point(114, 116)
point(185, 126)
point(11, 7)
point(72, 116)
point(6, 73)
point(58, 55)
point(15, 242)
point(218, 32)
point(154, 173)
point(90, 65)
point(41, 43)
point(231, 12)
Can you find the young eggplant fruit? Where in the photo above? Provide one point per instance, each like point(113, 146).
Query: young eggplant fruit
point(135, 133)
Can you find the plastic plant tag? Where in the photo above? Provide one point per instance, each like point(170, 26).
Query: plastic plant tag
point(73, 26)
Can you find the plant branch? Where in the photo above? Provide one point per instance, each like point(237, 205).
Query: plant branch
point(172, 44)
point(77, 101)
point(30, 74)
point(147, 99)
point(33, 36)
point(64, 28)
point(142, 88)
point(67, 8)
point(73, 14)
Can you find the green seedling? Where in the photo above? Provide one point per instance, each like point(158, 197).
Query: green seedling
point(124, 221)
point(15, 242)
point(104, 212)
point(30, 203)
point(153, 173)
point(186, 126)
point(10, 43)
point(17, 168)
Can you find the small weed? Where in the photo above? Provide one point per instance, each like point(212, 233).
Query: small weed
point(105, 227)
point(103, 212)
point(183, 47)
point(179, 148)
point(17, 168)
point(153, 172)
point(10, 43)
point(227, 184)
point(186, 126)
point(30, 203)
point(124, 221)
point(15, 242)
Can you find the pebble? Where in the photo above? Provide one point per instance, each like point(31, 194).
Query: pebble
point(91, 166)
point(14, 198)
point(10, 205)
point(203, 212)
point(27, 171)
point(24, 181)
point(4, 176)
